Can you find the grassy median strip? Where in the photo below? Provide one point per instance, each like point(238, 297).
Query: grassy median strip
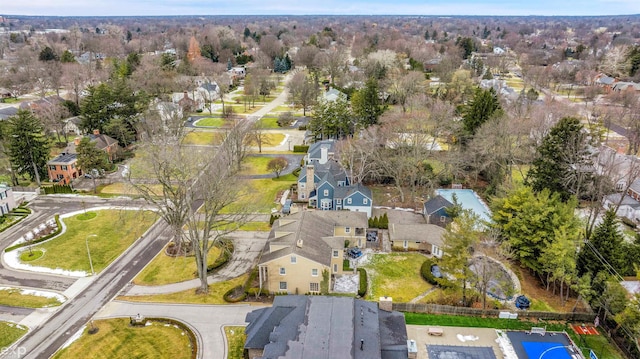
point(165, 269)
point(10, 332)
point(117, 339)
point(13, 297)
point(235, 341)
point(216, 291)
point(115, 231)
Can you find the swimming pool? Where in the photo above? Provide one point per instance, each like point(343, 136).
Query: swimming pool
point(468, 199)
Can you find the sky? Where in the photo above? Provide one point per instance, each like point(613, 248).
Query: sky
point(323, 7)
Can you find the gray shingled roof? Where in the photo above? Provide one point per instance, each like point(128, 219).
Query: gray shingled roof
point(102, 141)
point(314, 150)
point(7, 112)
point(626, 201)
point(64, 158)
point(429, 233)
point(310, 327)
point(435, 203)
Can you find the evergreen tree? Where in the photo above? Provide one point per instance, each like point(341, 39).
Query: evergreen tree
point(91, 159)
point(47, 54)
point(560, 160)
point(366, 104)
point(603, 251)
point(67, 57)
point(483, 106)
point(28, 148)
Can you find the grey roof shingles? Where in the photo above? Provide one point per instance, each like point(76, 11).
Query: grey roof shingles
point(310, 327)
point(64, 158)
point(436, 203)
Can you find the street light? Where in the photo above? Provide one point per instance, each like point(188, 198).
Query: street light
point(89, 252)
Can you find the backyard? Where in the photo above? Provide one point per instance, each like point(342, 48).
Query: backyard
point(396, 275)
point(108, 234)
point(117, 339)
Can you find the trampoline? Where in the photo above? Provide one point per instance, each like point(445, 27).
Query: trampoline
point(535, 346)
point(459, 352)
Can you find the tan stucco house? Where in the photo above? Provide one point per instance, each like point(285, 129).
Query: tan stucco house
point(304, 245)
point(417, 237)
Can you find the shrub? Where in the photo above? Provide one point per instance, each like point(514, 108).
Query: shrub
point(425, 271)
point(225, 255)
point(302, 128)
point(273, 218)
point(384, 221)
point(235, 294)
point(364, 284)
point(629, 222)
point(300, 148)
point(285, 119)
point(57, 188)
point(296, 172)
point(41, 239)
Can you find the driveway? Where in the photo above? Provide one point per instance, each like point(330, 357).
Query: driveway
point(207, 321)
point(248, 246)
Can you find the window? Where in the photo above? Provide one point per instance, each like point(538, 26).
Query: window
point(335, 254)
point(283, 271)
point(314, 272)
point(60, 176)
point(348, 200)
point(347, 230)
point(365, 201)
point(443, 218)
point(338, 201)
point(301, 184)
point(293, 259)
point(314, 287)
point(283, 285)
point(326, 192)
point(335, 268)
point(64, 167)
point(52, 167)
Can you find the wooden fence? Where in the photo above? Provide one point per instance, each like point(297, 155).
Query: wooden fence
point(451, 310)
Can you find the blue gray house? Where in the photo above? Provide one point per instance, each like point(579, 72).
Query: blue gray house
point(324, 183)
point(435, 211)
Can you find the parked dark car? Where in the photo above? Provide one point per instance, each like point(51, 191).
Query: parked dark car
point(435, 271)
point(522, 302)
point(354, 252)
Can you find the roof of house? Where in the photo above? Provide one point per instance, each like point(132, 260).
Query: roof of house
point(64, 158)
point(297, 327)
point(102, 141)
point(333, 94)
point(635, 186)
point(310, 234)
point(429, 233)
point(314, 152)
point(621, 86)
point(7, 112)
point(435, 204)
point(626, 201)
point(605, 80)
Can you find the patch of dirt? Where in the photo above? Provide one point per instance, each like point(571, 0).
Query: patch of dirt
point(532, 287)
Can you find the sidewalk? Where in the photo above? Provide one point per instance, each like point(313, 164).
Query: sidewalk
point(248, 246)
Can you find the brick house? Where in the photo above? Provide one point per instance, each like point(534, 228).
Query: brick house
point(64, 168)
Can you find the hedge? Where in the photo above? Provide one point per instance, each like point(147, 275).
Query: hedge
point(42, 239)
point(57, 188)
point(362, 290)
point(230, 295)
point(425, 271)
point(227, 251)
point(300, 148)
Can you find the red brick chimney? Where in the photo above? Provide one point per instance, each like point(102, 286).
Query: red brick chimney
point(96, 132)
point(76, 141)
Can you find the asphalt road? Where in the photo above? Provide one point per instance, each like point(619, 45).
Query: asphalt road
point(45, 340)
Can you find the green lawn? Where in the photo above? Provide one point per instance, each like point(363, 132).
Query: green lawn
point(272, 139)
point(9, 333)
point(396, 275)
point(269, 122)
point(253, 165)
point(211, 122)
point(235, 341)
point(164, 269)
point(260, 194)
point(115, 231)
point(216, 291)
point(117, 339)
point(599, 343)
point(202, 138)
point(476, 322)
point(13, 297)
